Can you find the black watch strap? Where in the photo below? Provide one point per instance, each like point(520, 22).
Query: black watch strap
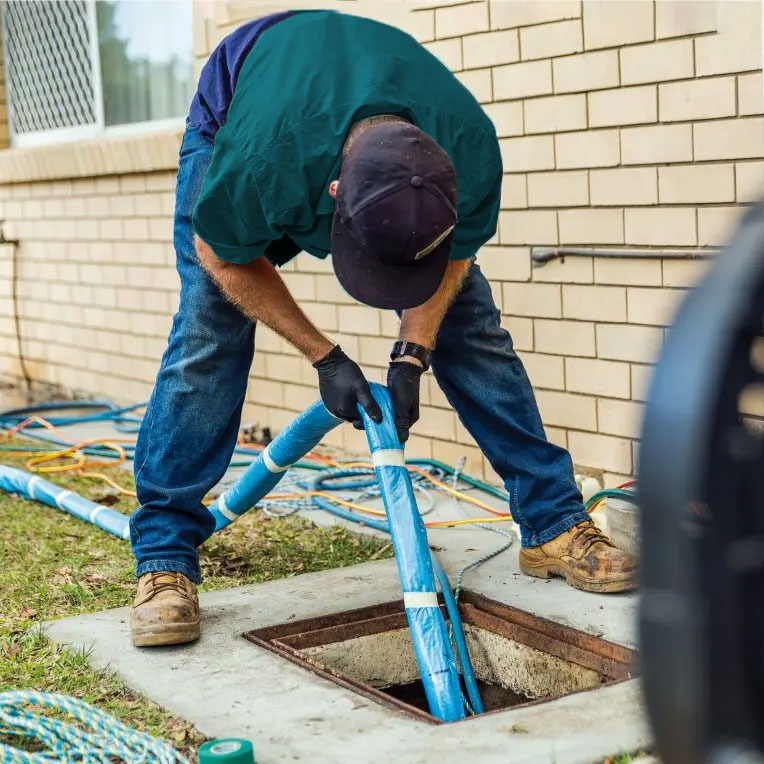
point(420, 352)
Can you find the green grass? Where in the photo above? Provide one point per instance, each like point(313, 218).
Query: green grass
point(52, 565)
point(626, 758)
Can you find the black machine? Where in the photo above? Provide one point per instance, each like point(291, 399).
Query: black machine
point(701, 493)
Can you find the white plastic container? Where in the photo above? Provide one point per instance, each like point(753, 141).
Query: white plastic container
point(623, 524)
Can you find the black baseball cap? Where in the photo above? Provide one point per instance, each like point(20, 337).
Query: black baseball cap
point(395, 216)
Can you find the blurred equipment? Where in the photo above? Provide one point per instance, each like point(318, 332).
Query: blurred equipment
point(701, 491)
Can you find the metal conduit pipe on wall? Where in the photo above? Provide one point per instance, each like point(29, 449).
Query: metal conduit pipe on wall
point(542, 255)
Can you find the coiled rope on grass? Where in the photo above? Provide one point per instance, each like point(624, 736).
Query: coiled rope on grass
point(86, 735)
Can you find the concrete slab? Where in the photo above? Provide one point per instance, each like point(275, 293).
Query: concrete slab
point(227, 686)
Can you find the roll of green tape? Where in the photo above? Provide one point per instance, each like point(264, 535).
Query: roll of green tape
point(230, 750)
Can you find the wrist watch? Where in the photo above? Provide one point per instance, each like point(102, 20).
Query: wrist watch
point(420, 352)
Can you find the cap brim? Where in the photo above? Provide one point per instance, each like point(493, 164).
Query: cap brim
point(383, 285)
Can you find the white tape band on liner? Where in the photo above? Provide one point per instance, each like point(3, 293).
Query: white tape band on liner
point(60, 498)
point(222, 507)
point(36, 479)
point(388, 457)
point(126, 532)
point(97, 511)
point(420, 599)
point(270, 465)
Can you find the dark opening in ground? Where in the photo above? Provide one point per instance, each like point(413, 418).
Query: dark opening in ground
point(494, 695)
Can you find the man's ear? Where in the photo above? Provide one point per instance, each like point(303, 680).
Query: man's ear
point(333, 188)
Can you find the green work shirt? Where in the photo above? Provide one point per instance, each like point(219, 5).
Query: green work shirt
point(308, 79)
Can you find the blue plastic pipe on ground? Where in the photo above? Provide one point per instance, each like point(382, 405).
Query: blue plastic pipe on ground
point(34, 487)
point(289, 446)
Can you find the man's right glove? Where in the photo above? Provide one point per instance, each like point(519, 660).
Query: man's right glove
point(343, 386)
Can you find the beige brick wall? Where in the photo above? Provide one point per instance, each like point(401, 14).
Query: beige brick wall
point(4, 137)
point(97, 281)
point(622, 124)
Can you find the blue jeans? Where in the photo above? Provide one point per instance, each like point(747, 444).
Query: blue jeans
point(192, 420)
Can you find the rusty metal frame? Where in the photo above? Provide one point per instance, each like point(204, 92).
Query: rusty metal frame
point(609, 659)
point(613, 662)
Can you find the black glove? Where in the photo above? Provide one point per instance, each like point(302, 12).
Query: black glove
point(403, 384)
point(343, 386)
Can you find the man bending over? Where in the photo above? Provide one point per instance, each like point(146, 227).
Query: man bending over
point(322, 132)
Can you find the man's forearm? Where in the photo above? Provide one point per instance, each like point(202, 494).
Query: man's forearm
point(261, 294)
point(421, 324)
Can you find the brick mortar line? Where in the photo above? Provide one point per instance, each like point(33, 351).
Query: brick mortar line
point(64, 365)
point(76, 181)
point(637, 206)
point(597, 91)
point(74, 367)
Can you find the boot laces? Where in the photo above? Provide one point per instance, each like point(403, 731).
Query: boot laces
point(166, 581)
point(590, 535)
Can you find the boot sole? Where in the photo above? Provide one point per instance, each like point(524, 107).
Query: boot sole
point(552, 569)
point(175, 634)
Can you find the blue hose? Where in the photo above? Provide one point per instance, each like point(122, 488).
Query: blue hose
point(293, 442)
point(473, 691)
point(12, 417)
point(111, 413)
point(35, 487)
point(437, 665)
point(468, 671)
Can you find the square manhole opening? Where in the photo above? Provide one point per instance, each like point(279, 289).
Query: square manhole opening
point(518, 658)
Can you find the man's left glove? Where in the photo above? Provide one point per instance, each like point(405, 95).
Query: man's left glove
point(403, 383)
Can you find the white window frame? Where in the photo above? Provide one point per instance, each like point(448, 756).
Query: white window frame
point(97, 129)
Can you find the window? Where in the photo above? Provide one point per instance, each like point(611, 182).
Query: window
point(146, 66)
point(78, 67)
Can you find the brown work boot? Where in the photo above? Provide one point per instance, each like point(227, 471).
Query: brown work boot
point(165, 611)
point(585, 557)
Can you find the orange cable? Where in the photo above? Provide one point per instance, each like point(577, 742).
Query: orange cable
point(73, 451)
point(107, 479)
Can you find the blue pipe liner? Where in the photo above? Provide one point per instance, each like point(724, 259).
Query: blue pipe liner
point(34, 487)
point(437, 665)
point(429, 633)
point(292, 443)
point(473, 691)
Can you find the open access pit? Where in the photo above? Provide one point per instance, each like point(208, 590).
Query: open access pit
point(518, 658)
